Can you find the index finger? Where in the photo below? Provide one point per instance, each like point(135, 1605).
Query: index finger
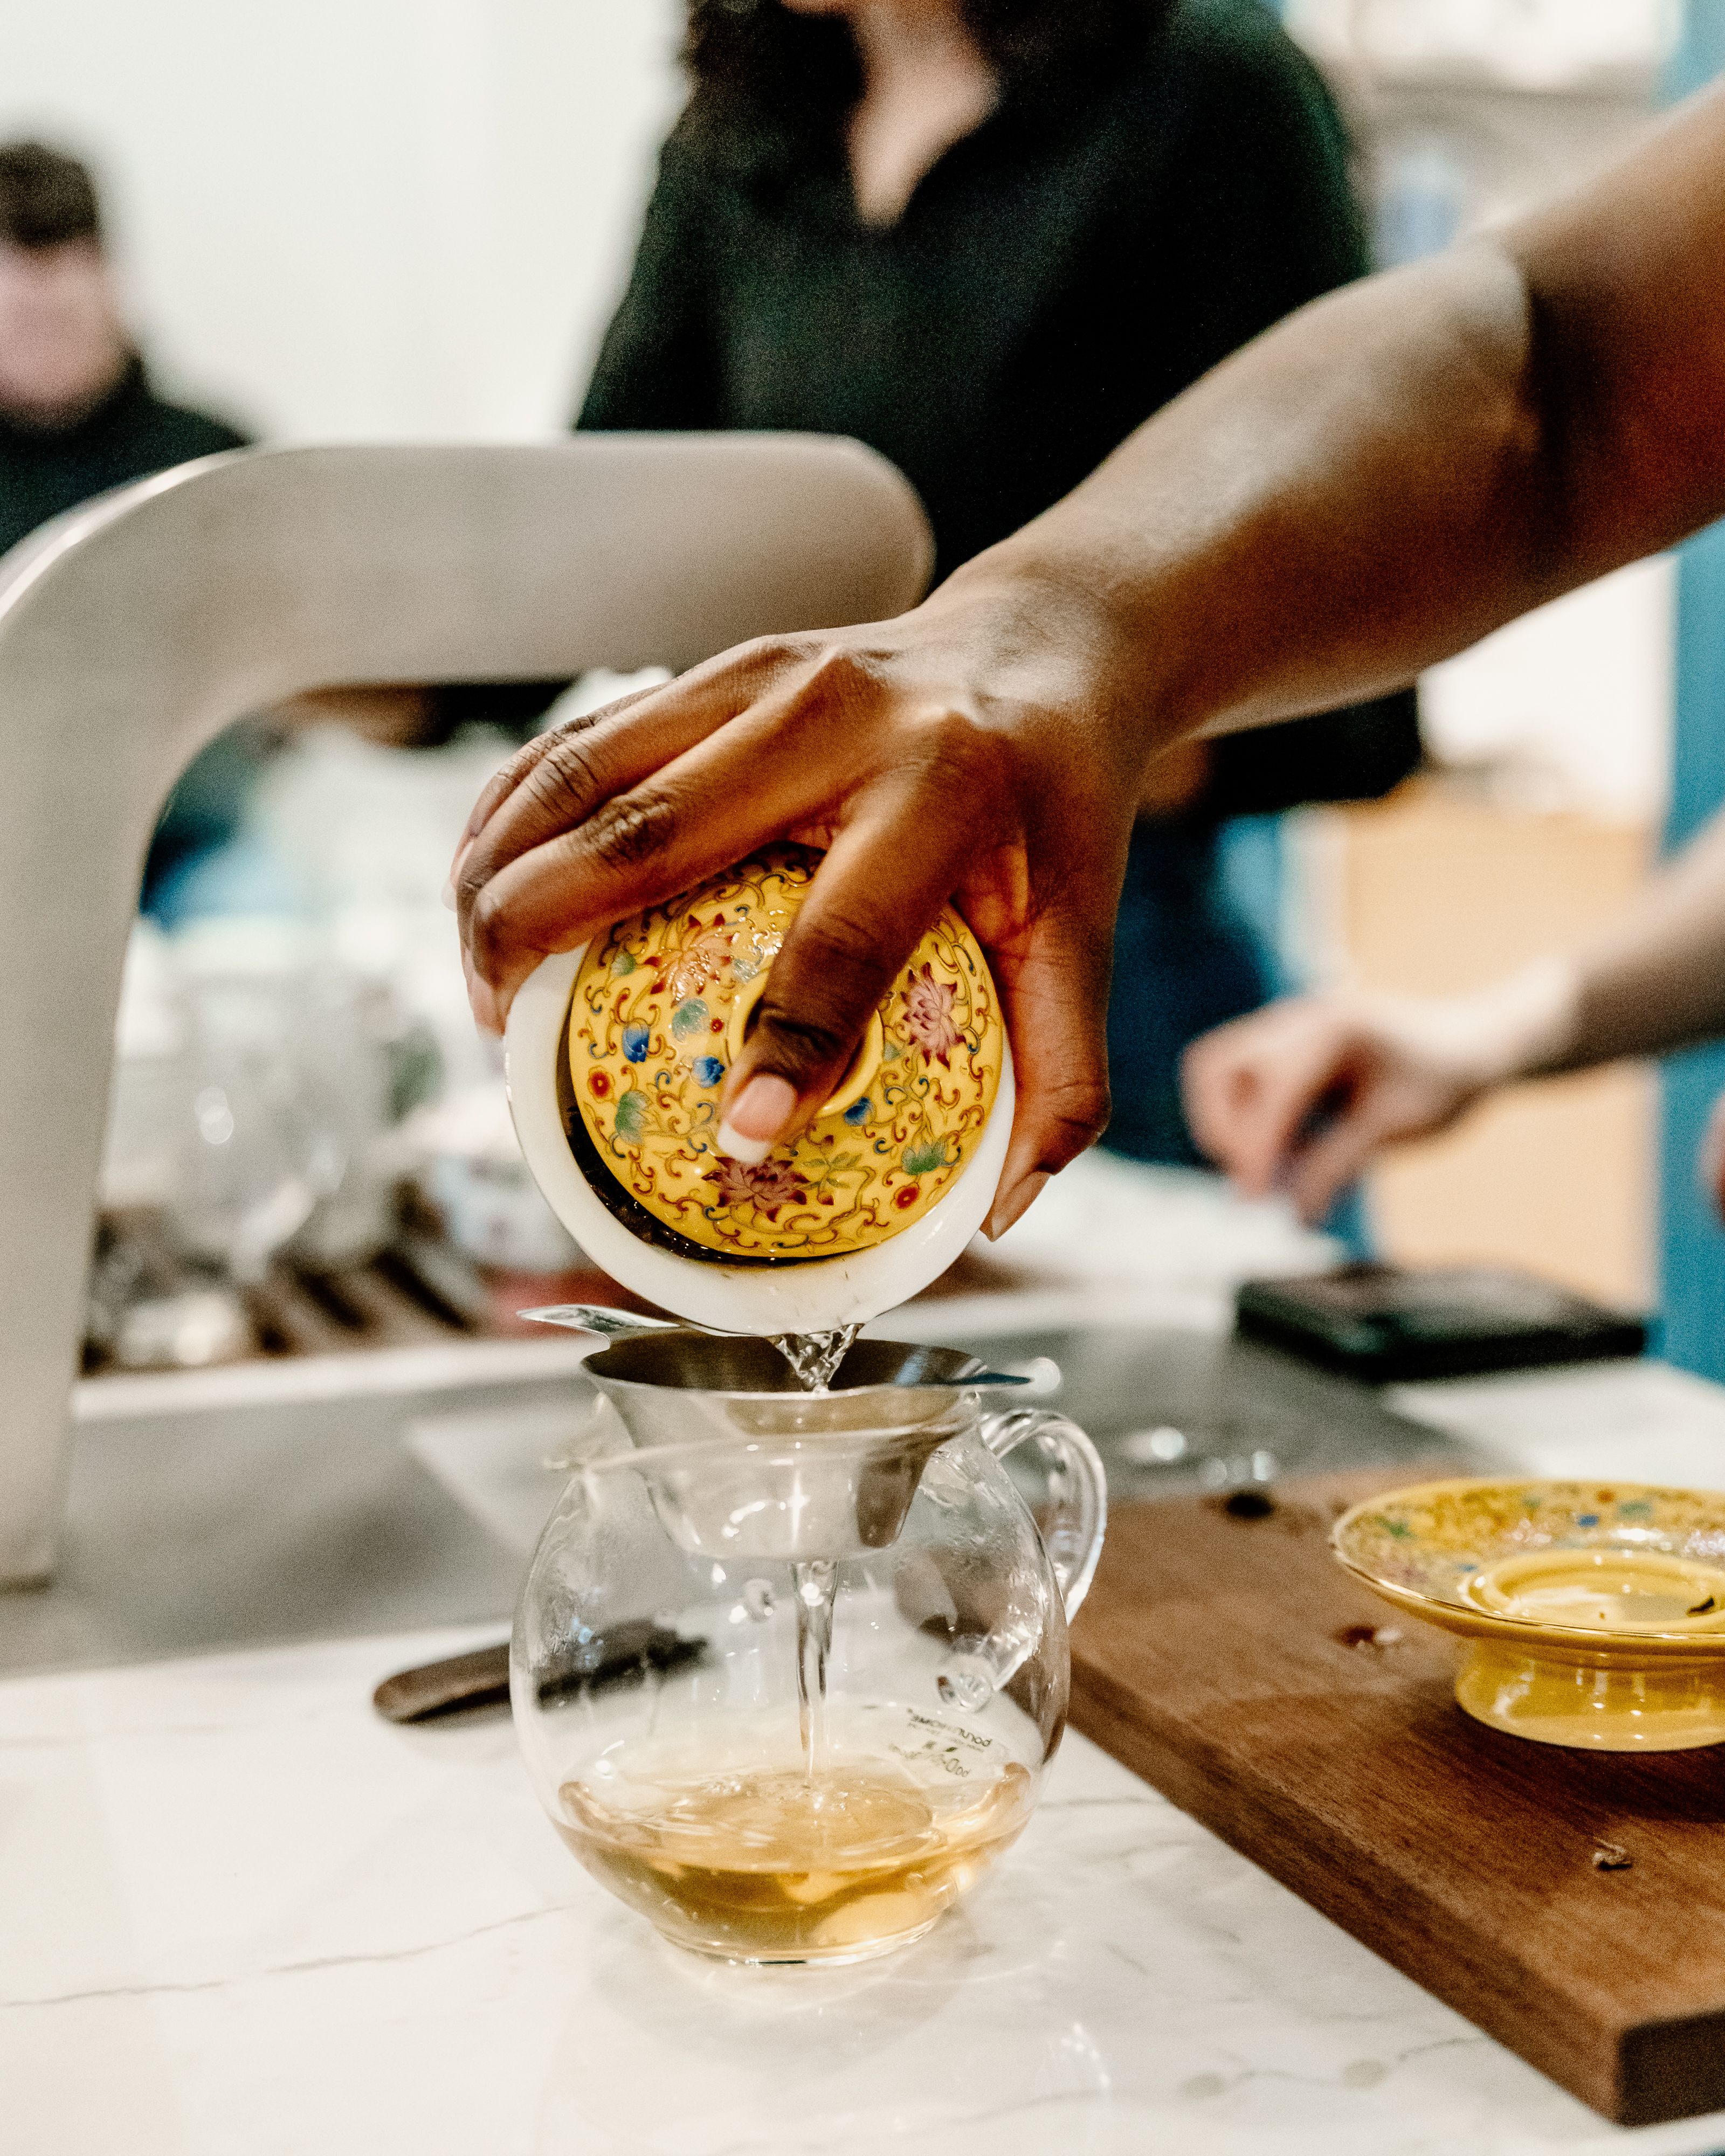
point(511, 776)
point(679, 711)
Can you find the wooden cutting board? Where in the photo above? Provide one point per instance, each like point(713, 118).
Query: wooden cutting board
point(1227, 1659)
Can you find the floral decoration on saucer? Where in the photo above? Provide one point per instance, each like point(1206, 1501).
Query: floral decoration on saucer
point(1592, 1612)
point(658, 1012)
point(1607, 1560)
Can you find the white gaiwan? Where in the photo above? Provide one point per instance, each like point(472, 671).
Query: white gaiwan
point(616, 1053)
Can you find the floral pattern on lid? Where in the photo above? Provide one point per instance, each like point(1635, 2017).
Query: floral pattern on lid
point(647, 1047)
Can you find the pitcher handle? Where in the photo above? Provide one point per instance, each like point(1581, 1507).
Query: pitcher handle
point(1076, 1514)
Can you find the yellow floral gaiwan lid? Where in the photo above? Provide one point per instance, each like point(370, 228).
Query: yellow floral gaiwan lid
point(660, 1010)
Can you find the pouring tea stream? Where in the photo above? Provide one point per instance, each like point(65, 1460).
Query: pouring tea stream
point(872, 1669)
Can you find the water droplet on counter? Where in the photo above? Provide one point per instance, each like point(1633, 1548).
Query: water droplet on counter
point(758, 1599)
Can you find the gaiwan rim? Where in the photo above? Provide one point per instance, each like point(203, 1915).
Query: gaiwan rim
point(812, 1296)
point(1585, 1642)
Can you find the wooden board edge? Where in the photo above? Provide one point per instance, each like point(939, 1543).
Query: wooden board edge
point(1663, 2058)
point(1627, 2077)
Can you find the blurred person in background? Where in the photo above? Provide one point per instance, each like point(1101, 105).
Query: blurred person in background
point(78, 411)
point(79, 415)
point(989, 238)
point(1303, 1096)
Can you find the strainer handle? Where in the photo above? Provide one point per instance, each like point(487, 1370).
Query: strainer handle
point(1074, 1516)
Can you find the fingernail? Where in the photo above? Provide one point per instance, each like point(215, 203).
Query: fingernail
point(1014, 1204)
point(756, 1118)
point(483, 998)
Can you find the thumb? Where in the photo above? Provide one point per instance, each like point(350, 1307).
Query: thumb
point(860, 920)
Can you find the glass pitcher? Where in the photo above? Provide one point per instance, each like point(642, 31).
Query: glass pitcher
point(789, 1668)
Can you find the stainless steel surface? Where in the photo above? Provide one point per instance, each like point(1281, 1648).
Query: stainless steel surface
point(1172, 1412)
point(710, 1406)
point(593, 1317)
point(681, 1387)
point(192, 1530)
point(245, 1526)
point(134, 630)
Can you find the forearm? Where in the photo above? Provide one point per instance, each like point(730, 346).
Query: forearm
point(1245, 556)
point(1301, 1095)
point(1369, 487)
point(1404, 465)
point(1654, 979)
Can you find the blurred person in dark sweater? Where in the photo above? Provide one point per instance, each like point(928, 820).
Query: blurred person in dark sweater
point(990, 238)
point(79, 415)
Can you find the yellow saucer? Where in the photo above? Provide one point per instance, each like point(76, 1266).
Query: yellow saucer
point(1594, 1612)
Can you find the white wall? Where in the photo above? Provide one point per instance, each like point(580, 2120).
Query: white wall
point(1571, 707)
point(1537, 44)
point(362, 218)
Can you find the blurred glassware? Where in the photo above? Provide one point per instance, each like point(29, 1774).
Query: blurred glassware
point(369, 832)
point(148, 1310)
point(281, 1138)
point(276, 1069)
point(470, 1165)
point(151, 1071)
point(186, 1331)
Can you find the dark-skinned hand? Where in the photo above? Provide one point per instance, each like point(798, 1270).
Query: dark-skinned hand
point(951, 754)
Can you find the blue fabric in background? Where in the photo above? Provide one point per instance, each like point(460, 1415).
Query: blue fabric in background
point(1691, 1240)
point(1251, 860)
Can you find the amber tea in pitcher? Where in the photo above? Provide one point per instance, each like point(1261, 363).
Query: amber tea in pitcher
point(762, 1788)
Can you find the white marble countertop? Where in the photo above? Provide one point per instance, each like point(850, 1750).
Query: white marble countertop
point(240, 1915)
point(244, 1917)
